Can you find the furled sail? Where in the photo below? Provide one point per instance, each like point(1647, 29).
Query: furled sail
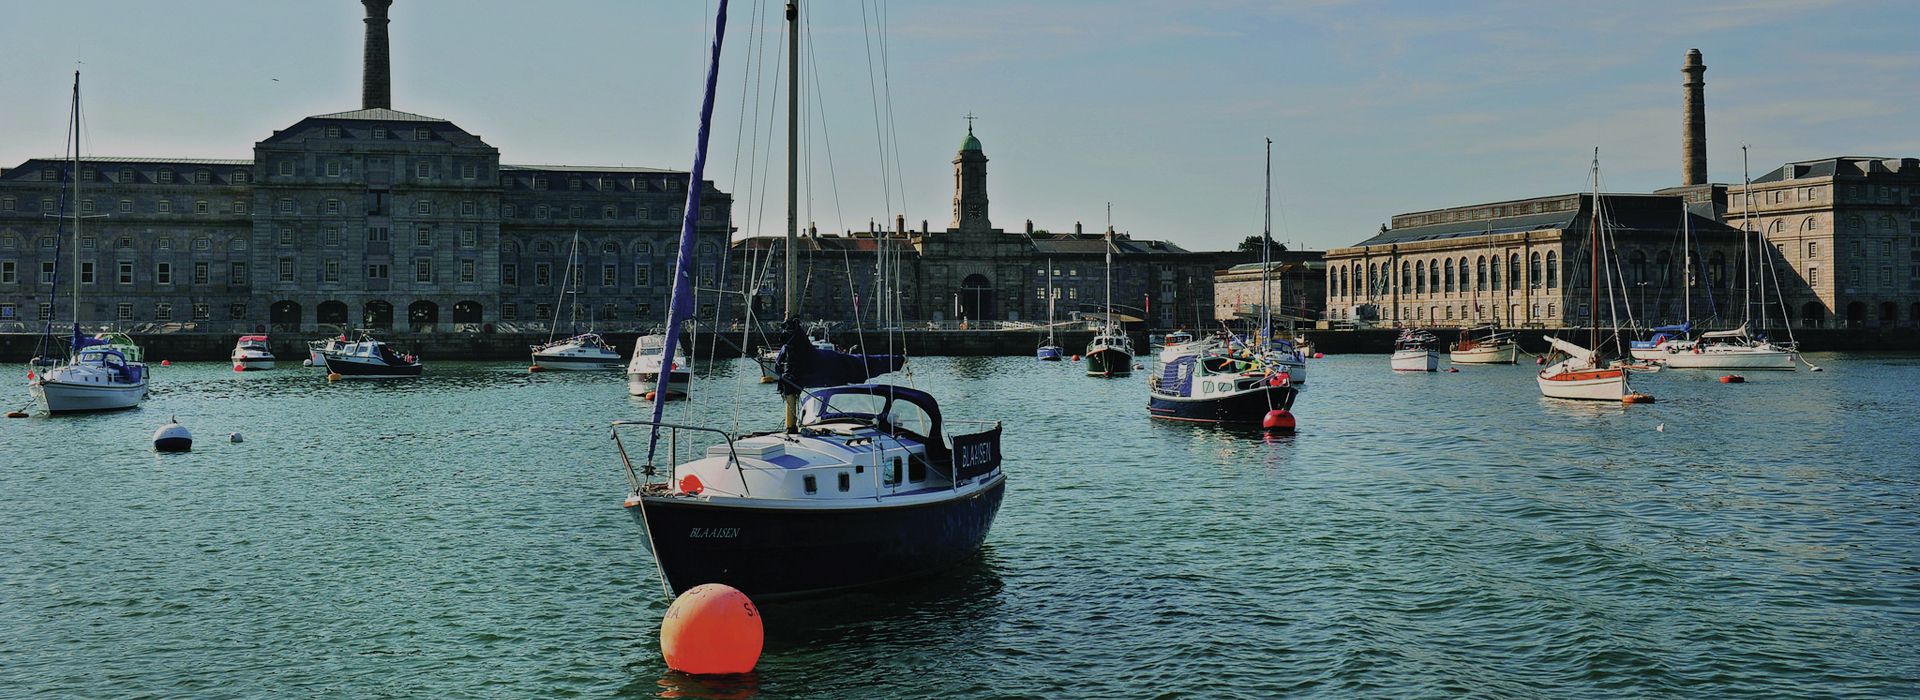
point(802, 365)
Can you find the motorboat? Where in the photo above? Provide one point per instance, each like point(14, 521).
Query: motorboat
point(1582, 376)
point(251, 353)
point(643, 371)
point(1414, 351)
point(587, 351)
point(1489, 347)
point(98, 376)
point(1219, 387)
point(1655, 346)
point(1731, 349)
point(368, 358)
point(1110, 354)
point(1178, 343)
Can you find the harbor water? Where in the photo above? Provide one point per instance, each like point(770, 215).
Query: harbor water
point(1422, 535)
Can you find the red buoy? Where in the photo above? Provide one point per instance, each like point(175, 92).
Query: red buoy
point(1076, 358)
point(712, 629)
point(1278, 419)
point(536, 368)
point(1452, 370)
point(166, 363)
point(1319, 356)
point(1637, 397)
point(1733, 379)
point(1539, 360)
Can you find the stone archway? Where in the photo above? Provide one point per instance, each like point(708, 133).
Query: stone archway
point(1813, 314)
point(976, 298)
point(333, 312)
point(376, 314)
point(1889, 314)
point(466, 315)
point(284, 315)
point(423, 316)
point(1856, 314)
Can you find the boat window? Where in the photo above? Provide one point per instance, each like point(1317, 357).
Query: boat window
point(846, 482)
point(910, 418)
point(810, 484)
point(893, 473)
point(917, 470)
point(841, 405)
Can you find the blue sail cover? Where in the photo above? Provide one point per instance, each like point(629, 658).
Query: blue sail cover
point(81, 342)
point(801, 365)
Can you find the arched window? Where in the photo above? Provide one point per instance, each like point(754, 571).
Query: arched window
point(1810, 224)
point(1553, 272)
point(1420, 277)
point(1513, 271)
point(1533, 270)
point(1637, 267)
point(1480, 274)
point(1343, 281)
point(1448, 273)
point(1463, 273)
point(1494, 265)
point(1373, 278)
point(1406, 277)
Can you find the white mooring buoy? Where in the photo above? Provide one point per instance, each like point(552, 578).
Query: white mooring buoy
point(235, 437)
point(172, 437)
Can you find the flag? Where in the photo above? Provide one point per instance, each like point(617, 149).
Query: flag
point(1149, 302)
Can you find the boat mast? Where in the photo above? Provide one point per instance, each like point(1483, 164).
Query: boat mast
point(1686, 272)
point(1746, 259)
point(1049, 301)
point(793, 182)
point(75, 175)
point(1593, 262)
point(1109, 274)
point(1266, 256)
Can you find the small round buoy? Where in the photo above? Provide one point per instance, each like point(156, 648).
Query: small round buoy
point(767, 380)
point(238, 368)
point(1539, 360)
point(1278, 419)
point(306, 362)
point(29, 375)
point(1637, 397)
point(235, 437)
point(650, 395)
point(712, 629)
point(1319, 356)
point(1453, 370)
point(691, 485)
point(536, 368)
point(16, 414)
point(333, 376)
point(1076, 358)
point(172, 437)
point(1733, 379)
point(1139, 366)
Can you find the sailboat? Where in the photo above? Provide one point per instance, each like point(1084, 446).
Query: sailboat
point(585, 351)
point(1110, 353)
point(1050, 350)
point(1486, 345)
point(101, 373)
point(1737, 348)
point(866, 483)
point(1220, 385)
point(1584, 374)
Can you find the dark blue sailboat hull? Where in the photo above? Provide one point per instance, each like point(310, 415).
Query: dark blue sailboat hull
point(784, 552)
point(1250, 406)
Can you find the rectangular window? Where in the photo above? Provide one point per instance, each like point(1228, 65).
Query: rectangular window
point(423, 170)
point(237, 312)
point(126, 272)
point(376, 271)
point(201, 207)
point(286, 269)
point(466, 271)
point(469, 236)
point(1886, 276)
point(9, 273)
point(468, 171)
point(126, 176)
point(576, 211)
point(543, 311)
point(423, 270)
point(422, 134)
point(200, 273)
point(123, 311)
point(379, 132)
point(330, 234)
point(286, 205)
point(1813, 249)
point(542, 274)
point(162, 311)
point(284, 236)
point(377, 234)
point(333, 168)
point(640, 275)
point(539, 182)
point(86, 206)
point(86, 243)
point(164, 206)
point(609, 276)
point(333, 206)
point(330, 270)
point(7, 204)
point(237, 274)
point(423, 236)
point(9, 312)
point(509, 312)
point(506, 211)
point(240, 177)
point(166, 176)
point(509, 274)
point(239, 207)
point(46, 273)
point(642, 309)
point(573, 183)
point(286, 168)
point(201, 312)
point(468, 208)
point(333, 132)
point(86, 272)
point(609, 212)
point(540, 211)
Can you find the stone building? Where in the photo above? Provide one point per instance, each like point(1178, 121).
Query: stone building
point(972, 271)
point(372, 217)
point(1846, 238)
point(1295, 287)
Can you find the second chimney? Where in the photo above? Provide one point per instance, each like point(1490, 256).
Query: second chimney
point(1693, 136)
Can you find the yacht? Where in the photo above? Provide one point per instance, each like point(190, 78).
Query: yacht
point(1414, 351)
point(368, 358)
point(251, 353)
point(643, 372)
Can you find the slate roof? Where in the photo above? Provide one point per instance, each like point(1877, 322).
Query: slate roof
point(1625, 212)
point(379, 114)
point(590, 169)
point(1826, 167)
point(178, 161)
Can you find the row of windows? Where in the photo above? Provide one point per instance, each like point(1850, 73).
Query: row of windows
point(331, 270)
point(130, 176)
point(510, 311)
point(1439, 276)
point(609, 274)
point(422, 168)
point(163, 273)
point(123, 311)
point(424, 235)
point(604, 184)
point(420, 133)
point(160, 206)
point(607, 212)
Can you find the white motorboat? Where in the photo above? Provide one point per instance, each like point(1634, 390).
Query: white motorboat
point(1734, 349)
point(1179, 344)
point(368, 358)
point(643, 371)
point(251, 353)
point(587, 351)
point(1581, 376)
point(1491, 348)
point(1414, 351)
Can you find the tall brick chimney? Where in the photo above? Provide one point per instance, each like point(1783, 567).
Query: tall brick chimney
point(1693, 137)
point(376, 83)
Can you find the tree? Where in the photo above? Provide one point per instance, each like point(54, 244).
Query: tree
point(1252, 245)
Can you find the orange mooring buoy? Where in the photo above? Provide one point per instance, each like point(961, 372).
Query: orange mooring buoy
point(1278, 419)
point(536, 368)
point(1733, 379)
point(711, 629)
point(1637, 397)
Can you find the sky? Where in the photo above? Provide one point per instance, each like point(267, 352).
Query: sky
point(1159, 109)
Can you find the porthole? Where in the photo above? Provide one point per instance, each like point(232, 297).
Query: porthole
point(811, 486)
point(846, 482)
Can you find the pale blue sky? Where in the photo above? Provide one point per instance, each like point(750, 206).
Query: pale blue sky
point(1375, 108)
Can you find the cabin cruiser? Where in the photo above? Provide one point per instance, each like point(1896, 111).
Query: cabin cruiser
point(586, 351)
point(643, 371)
point(1110, 354)
point(1220, 387)
point(251, 353)
point(369, 358)
point(1414, 351)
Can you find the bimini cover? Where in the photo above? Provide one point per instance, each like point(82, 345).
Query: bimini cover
point(800, 365)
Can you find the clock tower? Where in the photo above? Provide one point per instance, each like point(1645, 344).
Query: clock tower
point(970, 185)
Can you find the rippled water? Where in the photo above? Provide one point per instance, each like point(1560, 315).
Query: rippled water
point(1422, 535)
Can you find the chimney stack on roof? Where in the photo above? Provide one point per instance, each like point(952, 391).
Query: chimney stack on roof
point(1693, 137)
point(376, 82)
